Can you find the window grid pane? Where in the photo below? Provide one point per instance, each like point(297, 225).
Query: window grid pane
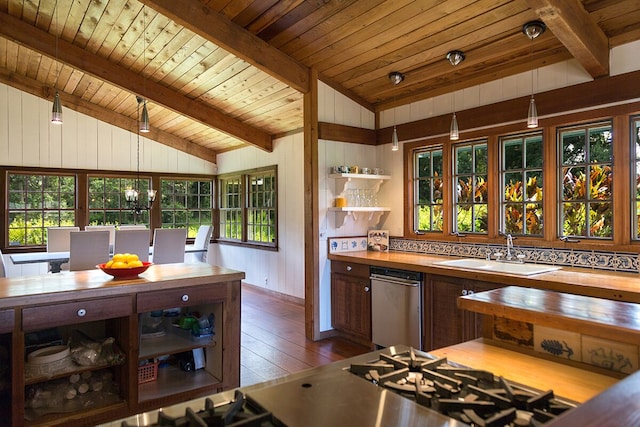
point(37, 202)
point(428, 190)
point(635, 141)
point(230, 208)
point(107, 204)
point(470, 160)
point(186, 204)
point(586, 182)
point(521, 176)
point(261, 210)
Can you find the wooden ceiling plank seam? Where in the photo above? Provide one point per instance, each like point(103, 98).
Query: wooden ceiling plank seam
point(236, 40)
point(103, 69)
point(214, 77)
point(113, 40)
point(253, 11)
point(573, 26)
point(330, 19)
point(271, 16)
point(622, 25)
point(71, 14)
point(433, 44)
point(234, 8)
point(89, 23)
point(29, 12)
point(192, 67)
point(177, 50)
point(174, 68)
point(44, 18)
point(106, 29)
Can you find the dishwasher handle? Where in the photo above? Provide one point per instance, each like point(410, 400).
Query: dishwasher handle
point(394, 280)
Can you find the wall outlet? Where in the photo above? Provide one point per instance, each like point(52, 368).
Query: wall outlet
point(266, 281)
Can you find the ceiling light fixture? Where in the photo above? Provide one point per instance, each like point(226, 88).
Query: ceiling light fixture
point(144, 121)
point(56, 111)
point(454, 57)
point(396, 78)
point(131, 195)
point(533, 30)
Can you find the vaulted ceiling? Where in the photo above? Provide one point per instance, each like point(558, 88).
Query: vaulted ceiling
point(220, 74)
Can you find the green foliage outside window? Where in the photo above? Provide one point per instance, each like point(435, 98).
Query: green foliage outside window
point(522, 185)
point(186, 204)
point(635, 137)
point(587, 181)
point(107, 204)
point(428, 189)
point(471, 187)
point(231, 207)
point(37, 202)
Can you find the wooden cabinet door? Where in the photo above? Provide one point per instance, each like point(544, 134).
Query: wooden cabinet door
point(351, 305)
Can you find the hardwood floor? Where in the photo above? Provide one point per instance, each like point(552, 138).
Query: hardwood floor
point(273, 343)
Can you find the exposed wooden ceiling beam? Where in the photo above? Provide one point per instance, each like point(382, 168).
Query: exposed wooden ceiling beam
point(576, 30)
point(206, 22)
point(75, 103)
point(105, 70)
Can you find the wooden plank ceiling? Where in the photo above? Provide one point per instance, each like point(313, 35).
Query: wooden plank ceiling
point(220, 74)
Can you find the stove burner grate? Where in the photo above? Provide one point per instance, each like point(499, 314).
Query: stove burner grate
point(241, 412)
point(469, 395)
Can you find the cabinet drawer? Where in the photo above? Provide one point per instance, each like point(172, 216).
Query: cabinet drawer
point(34, 318)
point(183, 297)
point(7, 321)
point(350, 268)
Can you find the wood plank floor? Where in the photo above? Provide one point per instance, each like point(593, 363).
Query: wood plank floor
point(273, 343)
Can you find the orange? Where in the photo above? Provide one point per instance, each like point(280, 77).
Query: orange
point(135, 263)
point(131, 258)
point(119, 264)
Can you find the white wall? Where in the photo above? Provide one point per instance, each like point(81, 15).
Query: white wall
point(27, 138)
point(281, 271)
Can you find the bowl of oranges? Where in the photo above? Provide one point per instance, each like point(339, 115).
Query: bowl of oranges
point(124, 266)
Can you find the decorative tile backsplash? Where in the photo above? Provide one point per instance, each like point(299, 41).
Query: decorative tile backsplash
point(347, 244)
point(596, 260)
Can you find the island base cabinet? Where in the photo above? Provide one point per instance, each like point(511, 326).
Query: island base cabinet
point(444, 323)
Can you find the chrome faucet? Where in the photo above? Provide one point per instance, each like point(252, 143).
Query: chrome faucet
point(509, 247)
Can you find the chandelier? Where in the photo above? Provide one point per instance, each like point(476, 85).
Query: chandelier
point(131, 195)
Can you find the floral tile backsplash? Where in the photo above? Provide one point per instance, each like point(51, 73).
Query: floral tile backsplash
point(597, 260)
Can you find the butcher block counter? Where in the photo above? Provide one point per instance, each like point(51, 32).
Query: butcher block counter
point(595, 283)
point(88, 326)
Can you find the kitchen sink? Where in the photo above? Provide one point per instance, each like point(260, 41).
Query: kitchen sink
point(522, 269)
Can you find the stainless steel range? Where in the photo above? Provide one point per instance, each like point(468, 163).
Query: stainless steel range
point(396, 386)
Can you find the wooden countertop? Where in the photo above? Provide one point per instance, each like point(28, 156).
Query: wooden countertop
point(57, 287)
point(595, 283)
point(566, 381)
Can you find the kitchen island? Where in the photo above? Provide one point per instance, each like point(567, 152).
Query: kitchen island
point(89, 310)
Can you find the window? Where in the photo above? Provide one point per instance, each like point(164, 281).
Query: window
point(38, 201)
point(586, 176)
point(186, 204)
point(107, 205)
point(248, 207)
point(521, 177)
point(470, 178)
point(428, 189)
point(635, 175)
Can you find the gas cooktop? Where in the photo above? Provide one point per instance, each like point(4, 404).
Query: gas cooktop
point(396, 386)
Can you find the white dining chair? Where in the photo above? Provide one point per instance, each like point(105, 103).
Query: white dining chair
point(132, 227)
point(88, 249)
point(110, 228)
point(133, 242)
point(168, 245)
point(58, 238)
point(202, 242)
point(3, 268)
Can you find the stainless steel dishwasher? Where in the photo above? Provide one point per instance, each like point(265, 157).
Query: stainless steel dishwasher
point(396, 307)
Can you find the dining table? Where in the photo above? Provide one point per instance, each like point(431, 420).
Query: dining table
point(56, 259)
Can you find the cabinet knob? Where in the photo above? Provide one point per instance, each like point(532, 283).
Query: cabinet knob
point(469, 292)
point(367, 289)
point(464, 292)
point(348, 268)
point(82, 312)
point(185, 298)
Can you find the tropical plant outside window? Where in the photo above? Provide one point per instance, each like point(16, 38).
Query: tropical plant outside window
point(586, 178)
point(38, 201)
point(230, 207)
point(521, 174)
point(635, 139)
point(186, 203)
point(470, 180)
point(107, 205)
point(261, 210)
point(428, 189)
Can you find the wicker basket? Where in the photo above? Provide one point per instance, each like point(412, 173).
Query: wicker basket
point(148, 373)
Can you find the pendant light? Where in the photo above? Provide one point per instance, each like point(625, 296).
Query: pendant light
point(56, 111)
point(454, 57)
point(396, 78)
point(143, 123)
point(532, 30)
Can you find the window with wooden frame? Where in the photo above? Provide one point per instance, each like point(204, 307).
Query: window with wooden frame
point(635, 175)
point(186, 203)
point(470, 166)
point(586, 181)
point(37, 201)
point(107, 204)
point(428, 188)
point(248, 207)
point(521, 177)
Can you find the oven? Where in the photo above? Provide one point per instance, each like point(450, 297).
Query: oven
point(396, 307)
